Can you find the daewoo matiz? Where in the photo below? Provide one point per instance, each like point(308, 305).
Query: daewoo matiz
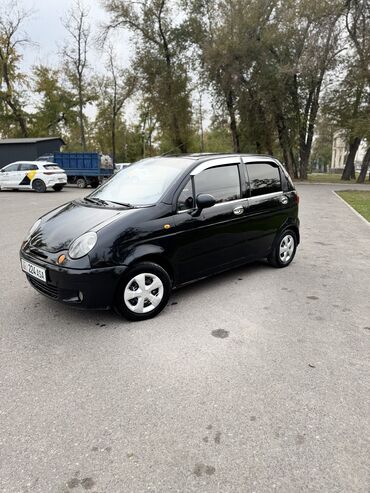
point(159, 224)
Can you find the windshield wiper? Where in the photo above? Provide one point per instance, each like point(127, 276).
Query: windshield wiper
point(125, 204)
point(95, 200)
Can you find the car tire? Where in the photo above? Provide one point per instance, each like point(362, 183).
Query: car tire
point(284, 249)
point(39, 186)
point(58, 188)
point(140, 278)
point(81, 183)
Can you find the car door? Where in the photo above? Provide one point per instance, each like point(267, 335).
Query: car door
point(210, 240)
point(267, 210)
point(9, 175)
point(27, 172)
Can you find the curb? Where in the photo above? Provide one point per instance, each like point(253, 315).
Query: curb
point(352, 209)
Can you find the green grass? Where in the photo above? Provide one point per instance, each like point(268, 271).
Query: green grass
point(327, 178)
point(359, 200)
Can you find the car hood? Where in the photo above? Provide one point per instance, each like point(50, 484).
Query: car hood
point(61, 226)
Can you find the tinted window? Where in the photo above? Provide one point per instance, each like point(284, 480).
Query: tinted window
point(12, 167)
point(222, 182)
point(28, 167)
point(264, 178)
point(186, 200)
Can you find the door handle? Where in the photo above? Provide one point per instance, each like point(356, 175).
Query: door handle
point(284, 199)
point(238, 210)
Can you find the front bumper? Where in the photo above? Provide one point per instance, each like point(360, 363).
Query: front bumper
point(84, 288)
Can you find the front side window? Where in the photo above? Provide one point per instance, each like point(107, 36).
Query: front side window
point(12, 167)
point(264, 178)
point(186, 197)
point(221, 181)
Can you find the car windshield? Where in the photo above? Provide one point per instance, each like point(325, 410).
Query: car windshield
point(142, 183)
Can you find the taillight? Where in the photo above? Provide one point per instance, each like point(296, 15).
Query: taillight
point(296, 198)
point(53, 172)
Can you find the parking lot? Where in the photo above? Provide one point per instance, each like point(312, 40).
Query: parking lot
point(256, 380)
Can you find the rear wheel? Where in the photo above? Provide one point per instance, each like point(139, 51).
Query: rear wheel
point(81, 183)
point(58, 188)
point(39, 186)
point(284, 250)
point(144, 292)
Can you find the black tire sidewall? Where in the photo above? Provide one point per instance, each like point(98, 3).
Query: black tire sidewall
point(150, 268)
point(275, 258)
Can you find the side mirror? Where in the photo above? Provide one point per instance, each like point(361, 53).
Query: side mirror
point(204, 201)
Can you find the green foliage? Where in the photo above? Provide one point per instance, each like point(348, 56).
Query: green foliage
point(56, 107)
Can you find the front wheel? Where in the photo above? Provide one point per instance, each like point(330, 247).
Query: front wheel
point(284, 250)
point(143, 292)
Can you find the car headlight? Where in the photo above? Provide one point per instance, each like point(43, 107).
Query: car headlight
point(82, 245)
point(33, 229)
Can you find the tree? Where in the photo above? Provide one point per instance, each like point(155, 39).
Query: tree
point(75, 56)
point(357, 18)
point(116, 87)
point(11, 79)
point(56, 111)
point(160, 62)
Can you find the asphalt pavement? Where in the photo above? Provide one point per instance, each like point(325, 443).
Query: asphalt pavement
point(256, 380)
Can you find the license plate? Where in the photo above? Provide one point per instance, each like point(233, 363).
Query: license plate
point(61, 179)
point(33, 270)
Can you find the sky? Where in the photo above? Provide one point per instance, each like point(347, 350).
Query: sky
point(44, 27)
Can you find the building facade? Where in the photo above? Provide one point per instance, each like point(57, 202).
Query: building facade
point(340, 151)
point(27, 149)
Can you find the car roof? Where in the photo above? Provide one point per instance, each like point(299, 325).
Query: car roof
point(32, 162)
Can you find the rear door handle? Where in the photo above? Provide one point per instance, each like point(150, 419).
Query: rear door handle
point(238, 210)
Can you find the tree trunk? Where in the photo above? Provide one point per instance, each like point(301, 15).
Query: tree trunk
point(114, 141)
point(82, 124)
point(364, 167)
point(349, 168)
point(284, 142)
point(233, 124)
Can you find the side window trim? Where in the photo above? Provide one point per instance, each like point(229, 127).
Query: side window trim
point(223, 163)
point(273, 163)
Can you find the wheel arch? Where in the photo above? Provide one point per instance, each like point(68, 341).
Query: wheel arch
point(151, 253)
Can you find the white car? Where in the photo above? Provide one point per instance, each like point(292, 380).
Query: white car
point(35, 175)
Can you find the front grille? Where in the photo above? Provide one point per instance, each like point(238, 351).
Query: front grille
point(41, 287)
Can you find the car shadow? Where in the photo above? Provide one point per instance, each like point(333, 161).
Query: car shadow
point(81, 319)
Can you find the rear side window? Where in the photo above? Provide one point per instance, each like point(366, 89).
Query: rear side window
point(222, 182)
point(28, 167)
point(264, 178)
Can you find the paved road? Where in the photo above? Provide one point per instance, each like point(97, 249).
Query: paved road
point(282, 403)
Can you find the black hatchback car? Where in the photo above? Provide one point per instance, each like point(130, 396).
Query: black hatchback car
point(159, 224)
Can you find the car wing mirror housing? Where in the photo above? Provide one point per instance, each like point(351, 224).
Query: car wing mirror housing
point(205, 200)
